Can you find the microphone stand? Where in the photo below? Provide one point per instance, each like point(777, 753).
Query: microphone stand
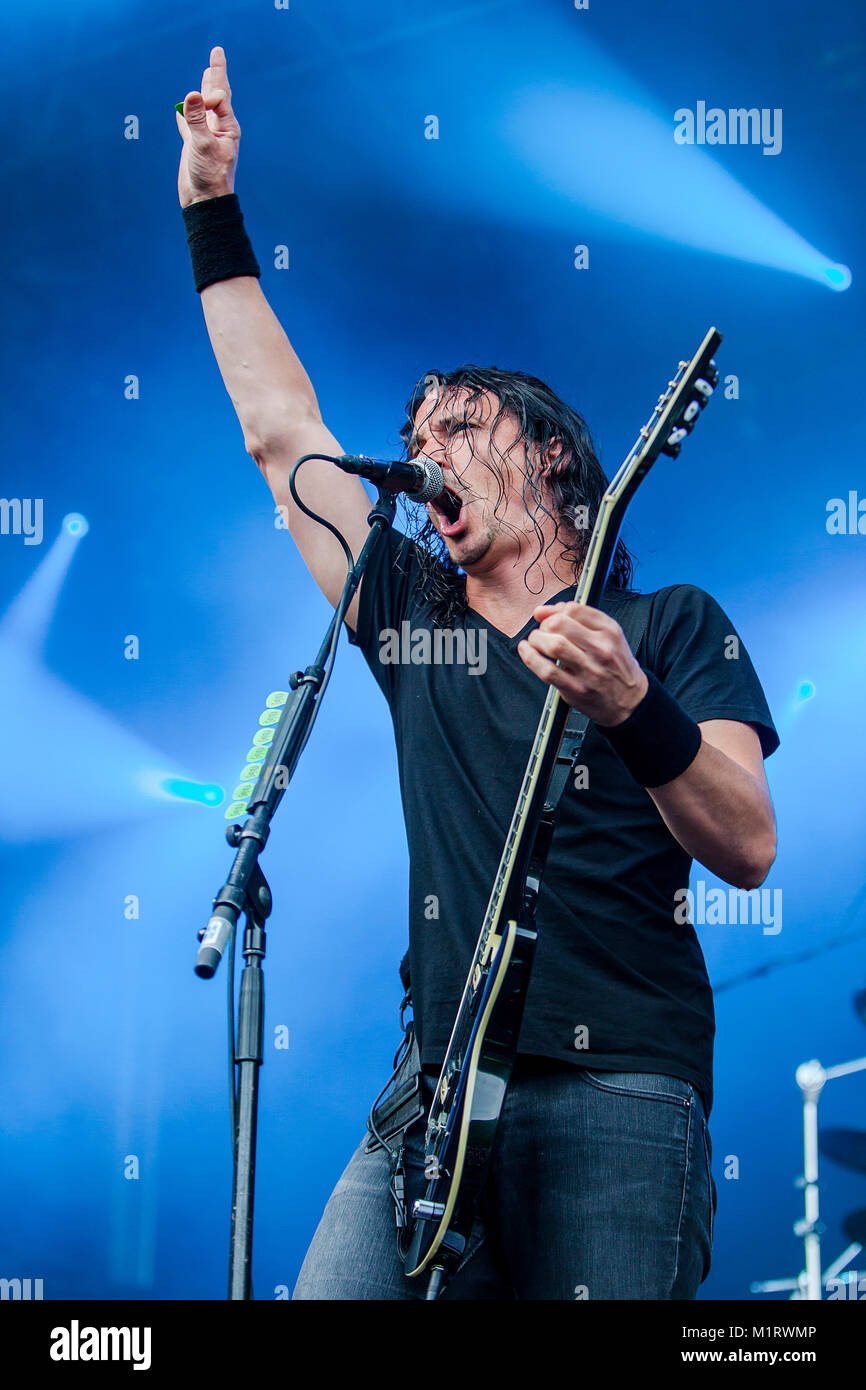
point(246, 891)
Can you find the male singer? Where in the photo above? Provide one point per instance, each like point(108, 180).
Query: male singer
point(601, 1185)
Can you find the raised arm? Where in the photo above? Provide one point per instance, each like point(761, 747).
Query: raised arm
point(269, 388)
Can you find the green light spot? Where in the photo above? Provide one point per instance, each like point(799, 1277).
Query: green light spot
point(257, 755)
point(263, 737)
point(270, 716)
point(277, 698)
point(237, 808)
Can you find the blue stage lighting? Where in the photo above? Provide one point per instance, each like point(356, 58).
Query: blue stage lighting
point(26, 620)
point(838, 277)
point(206, 792)
point(633, 172)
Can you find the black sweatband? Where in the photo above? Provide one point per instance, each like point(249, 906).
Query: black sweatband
point(219, 247)
point(658, 740)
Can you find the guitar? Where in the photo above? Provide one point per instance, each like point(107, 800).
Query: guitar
point(470, 1092)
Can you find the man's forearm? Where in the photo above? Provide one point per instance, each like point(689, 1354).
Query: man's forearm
point(721, 816)
point(718, 810)
point(267, 383)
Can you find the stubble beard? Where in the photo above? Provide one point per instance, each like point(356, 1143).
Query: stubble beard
point(468, 550)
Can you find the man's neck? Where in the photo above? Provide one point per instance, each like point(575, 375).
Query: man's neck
point(507, 598)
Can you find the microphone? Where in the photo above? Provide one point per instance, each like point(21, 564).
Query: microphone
point(423, 481)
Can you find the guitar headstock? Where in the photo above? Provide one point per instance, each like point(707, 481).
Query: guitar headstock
point(678, 409)
point(674, 417)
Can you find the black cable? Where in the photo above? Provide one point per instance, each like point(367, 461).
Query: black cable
point(233, 1095)
point(326, 458)
point(396, 1168)
point(396, 1154)
point(344, 598)
point(398, 1060)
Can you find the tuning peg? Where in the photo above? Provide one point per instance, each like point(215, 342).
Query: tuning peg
point(673, 443)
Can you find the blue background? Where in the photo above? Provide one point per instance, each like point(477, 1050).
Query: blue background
point(555, 129)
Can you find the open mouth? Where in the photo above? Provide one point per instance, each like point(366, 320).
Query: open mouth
point(449, 509)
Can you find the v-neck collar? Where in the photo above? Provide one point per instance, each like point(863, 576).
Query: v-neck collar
point(563, 595)
point(513, 642)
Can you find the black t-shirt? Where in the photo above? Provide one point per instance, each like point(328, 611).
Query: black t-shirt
point(617, 983)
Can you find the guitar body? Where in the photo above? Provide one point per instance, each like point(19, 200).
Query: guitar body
point(464, 1116)
point(470, 1093)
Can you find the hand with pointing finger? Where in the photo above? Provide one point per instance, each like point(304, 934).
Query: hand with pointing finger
point(211, 136)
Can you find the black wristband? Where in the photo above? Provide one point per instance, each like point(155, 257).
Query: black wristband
point(219, 247)
point(658, 740)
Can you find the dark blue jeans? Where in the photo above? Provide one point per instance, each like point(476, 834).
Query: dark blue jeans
point(600, 1188)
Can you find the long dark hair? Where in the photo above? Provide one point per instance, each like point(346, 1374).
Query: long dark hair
point(576, 480)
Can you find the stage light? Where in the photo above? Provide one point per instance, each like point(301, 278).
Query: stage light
point(801, 694)
point(602, 145)
point(27, 619)
point(119, 769)
point(208, 793)
point(838, 277)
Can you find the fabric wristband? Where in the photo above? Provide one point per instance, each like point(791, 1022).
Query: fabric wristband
point(658, 740)
point(219, 247)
